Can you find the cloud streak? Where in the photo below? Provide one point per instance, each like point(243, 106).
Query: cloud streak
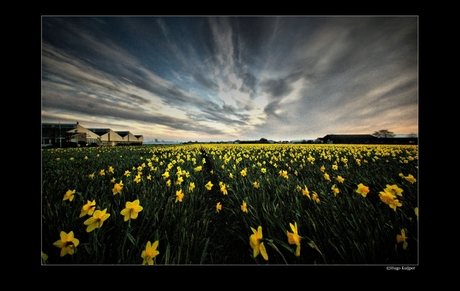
point(226, 78)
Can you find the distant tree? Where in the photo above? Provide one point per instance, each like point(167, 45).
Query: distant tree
point(384, 133)
point(263, 140)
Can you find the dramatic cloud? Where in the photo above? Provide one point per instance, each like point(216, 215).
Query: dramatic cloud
point(227, 78)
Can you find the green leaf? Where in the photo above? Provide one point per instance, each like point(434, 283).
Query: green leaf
point(131, 238)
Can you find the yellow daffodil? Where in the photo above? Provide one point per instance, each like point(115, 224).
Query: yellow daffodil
point(363, 190)
point(88, 208)
point(315, 197)
point(306, 192)
point(102, 172)
point(326, 177)
point(67, 243)
point(340, 179)
point(256, 185)
point(389, 198)
point(111, 170)
point(416, 212)
point(396, 203)
point(223, 189)
point(137, 179)
point(394, 189)
point(191, 186)
point(294, 237)
point(218, 207)
point(322, 169)
point(402, 238)
point(132, 210)
point(179, 195)
point(263, 170)
point(97, 220)
point(244, 207)
point(243, 172)
point(411, 179)
point(127, 173)
point(284, 174)
point(209, 185)
point(44, 257)
point(117, 188)
point(335, 190)
point(69, 195)
point(256, 244)
point(149, 253)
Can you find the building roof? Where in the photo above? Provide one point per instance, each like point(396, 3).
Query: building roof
point(99, 131)
point(122, 133)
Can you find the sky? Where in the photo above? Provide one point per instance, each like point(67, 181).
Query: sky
point(226, 78)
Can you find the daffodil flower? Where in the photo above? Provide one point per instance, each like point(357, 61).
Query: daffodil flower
point(69, 195)
point(306, 192)
point(132, 210)
point(179, 195)
point(97, 220)
point(411, 179)
point(363, 190)
point(402, 238)
point(294, 238)
point(67, 243)
point(244, 207)
point(223, 189)
point(88, 208)
point(255, 241)
point(117, 188)
point(191, 186)
point(335, 190)
point(149, 253)
point(388, 197)
point(394, 189)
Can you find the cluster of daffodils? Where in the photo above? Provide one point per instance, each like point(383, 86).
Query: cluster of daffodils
point(256, 241)
point(389, 196)
point(68, 243)
point(305, 192)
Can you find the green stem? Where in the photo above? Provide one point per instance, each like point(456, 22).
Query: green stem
point(124, 241)
point(270, 242)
